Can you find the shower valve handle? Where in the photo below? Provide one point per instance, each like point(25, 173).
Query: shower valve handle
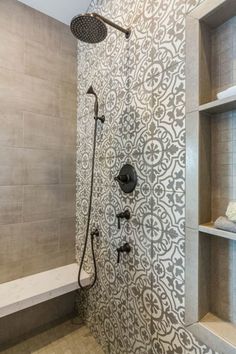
point(123, 249)
point(102, 118)
point(123, 215)
point(127, 178)
point(123, 179)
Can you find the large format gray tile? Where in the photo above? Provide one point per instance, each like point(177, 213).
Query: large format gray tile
point(41, 166)
point(67, 233)
point(40, 238)
point(11, 51)
point(11, 244)
point(48, 64)
point(43, 29)
point(11, 133)
point(40, 96)
point(38, 77)
point(68, 166)
point(11, 162)
point(12, 17)
point(67, 200)
point(11, 204)
point(42, 131)
point(11, 91)
point(41, 202)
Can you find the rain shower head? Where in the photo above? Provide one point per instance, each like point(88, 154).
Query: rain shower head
point(88, 28)
point(91, 28)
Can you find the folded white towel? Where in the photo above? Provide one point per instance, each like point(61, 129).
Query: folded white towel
point(227, 93)
point(223, 223)
point(231, 211)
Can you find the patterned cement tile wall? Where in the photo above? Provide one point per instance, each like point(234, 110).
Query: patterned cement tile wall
point(138, 305)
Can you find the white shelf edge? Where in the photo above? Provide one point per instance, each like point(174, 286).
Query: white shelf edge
point(216, 333)
point(219, 106)
point(26, 292)
point(210, 229)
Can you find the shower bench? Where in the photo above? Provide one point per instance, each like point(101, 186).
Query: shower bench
point(26, 292)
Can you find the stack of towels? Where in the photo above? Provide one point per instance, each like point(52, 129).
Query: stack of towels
point(228, 222)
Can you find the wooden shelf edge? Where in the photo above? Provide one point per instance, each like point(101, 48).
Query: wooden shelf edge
point(216, 333)
point(219, 106)
point(211, 230)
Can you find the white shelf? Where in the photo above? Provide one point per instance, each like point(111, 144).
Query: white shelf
point(25, 292)
point(211, 230)
point(216, 332)
point(219, 106)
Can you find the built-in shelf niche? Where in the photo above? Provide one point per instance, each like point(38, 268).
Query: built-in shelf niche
point(217, 55)
point(217, 157)
point(211, 174)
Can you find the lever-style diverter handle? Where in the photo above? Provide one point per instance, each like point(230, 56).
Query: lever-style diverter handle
point(122, 179)
point(123, 249)
point(123, 215)
point(102, 118)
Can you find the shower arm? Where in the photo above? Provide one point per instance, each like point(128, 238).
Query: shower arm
point(127, 32)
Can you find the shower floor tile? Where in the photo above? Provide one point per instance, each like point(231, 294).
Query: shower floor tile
point(65, 338)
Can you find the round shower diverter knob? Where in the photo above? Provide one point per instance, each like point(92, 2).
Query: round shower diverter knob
point(127, 178)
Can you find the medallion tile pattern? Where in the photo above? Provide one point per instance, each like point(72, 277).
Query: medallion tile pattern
point(138, 305)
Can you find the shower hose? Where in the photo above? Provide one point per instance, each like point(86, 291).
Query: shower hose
point(95, 233)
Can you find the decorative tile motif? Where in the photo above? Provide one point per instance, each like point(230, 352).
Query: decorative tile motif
point(137, 306)
point(192, 4)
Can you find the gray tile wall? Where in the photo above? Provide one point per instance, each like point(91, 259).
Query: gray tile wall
point(223, 125)
point(223, 57)
point(223, 162)
point(36, 319)
point(223, 279)
point(137, 306)
point(38, 73)
point(223, 131)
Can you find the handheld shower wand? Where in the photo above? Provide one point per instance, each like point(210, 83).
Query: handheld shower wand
point(96, 231)
point(91, 92)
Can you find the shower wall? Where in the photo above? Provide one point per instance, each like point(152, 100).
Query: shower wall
point(137, 306)
point(37, 141)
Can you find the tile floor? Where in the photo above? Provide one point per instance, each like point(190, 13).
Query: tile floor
point(65, 338)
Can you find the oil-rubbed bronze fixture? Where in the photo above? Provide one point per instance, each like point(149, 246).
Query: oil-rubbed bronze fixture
point(96, 117)
point(127, 178)
point(123, 249)
point(123, 215)
point(95, 232)
point(91, 28)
